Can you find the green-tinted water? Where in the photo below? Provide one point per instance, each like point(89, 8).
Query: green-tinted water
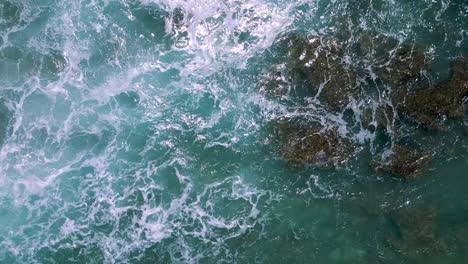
point(137, 132)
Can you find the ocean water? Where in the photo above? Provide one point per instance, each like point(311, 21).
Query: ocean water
point(136, 132)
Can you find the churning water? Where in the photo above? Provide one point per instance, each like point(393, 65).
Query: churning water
point(139, 132)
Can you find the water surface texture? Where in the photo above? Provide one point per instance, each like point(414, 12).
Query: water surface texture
point(159, 131)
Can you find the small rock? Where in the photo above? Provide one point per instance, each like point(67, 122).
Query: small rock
point(316, 147)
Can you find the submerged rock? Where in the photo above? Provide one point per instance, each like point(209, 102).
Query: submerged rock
point(317, 64)
point(403, 162)
point(405, 65)
point(274, 84)
point(415, 232)
point(320, 61)
point(431, 107)
point(17, 63)
point(4, 119)
point(52, 64)
point(177, 26)
point(316, 146)
point(392, 62)
point(380, 117)
point(10, 14)
point(375, 46)
point(129, 99)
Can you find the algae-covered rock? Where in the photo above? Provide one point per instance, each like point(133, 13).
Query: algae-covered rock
point(403, 162)
point(274, 84)
point(431, 107)
point(318, 64)
point(405, 65)
point(391, 61)
point(375, 46)
point(313, 146)
point(321, 62)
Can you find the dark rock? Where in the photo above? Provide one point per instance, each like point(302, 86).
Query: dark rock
point(179, 30)
point(274, 85)
point(178, 17)
point(405, 65)
point(431, 107)
point(392, 62)
point(320, 61)
point(16, 63)
point(313, 146)
point(375, 47)
point(319, 65)
point(403, 162)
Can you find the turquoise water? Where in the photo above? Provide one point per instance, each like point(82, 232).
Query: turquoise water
point(136, 132)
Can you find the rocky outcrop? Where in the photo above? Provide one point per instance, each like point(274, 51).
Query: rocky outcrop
point(403, 162)
point(431, 107)
point(404, 65)
point(318, 65)
point(313, 146)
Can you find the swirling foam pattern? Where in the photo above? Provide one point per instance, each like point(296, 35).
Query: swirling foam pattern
point(135, 132)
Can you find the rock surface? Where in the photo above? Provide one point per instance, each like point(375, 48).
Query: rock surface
point(431, 107)
point(315, 147)
point(404, 65)
point(319, 65)
point(404, 162)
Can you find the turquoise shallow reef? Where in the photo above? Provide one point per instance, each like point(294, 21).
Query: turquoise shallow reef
point(233, 131)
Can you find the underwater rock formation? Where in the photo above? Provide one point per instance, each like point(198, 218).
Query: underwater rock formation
point(318, 65)
point(394, 63)
point(404, 66)
point(4, 119)
point(10, 14)
point(316, 69)
point(320, 62)
point(16, 64)
point(274, 84)
point(52, 64)
point(416, 232)
point(431, 107)
point(313, 146)
point(403, 162)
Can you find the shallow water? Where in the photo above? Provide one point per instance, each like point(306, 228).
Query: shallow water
point(135, 132)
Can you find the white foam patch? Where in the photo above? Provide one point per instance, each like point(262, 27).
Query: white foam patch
point(223, 33)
